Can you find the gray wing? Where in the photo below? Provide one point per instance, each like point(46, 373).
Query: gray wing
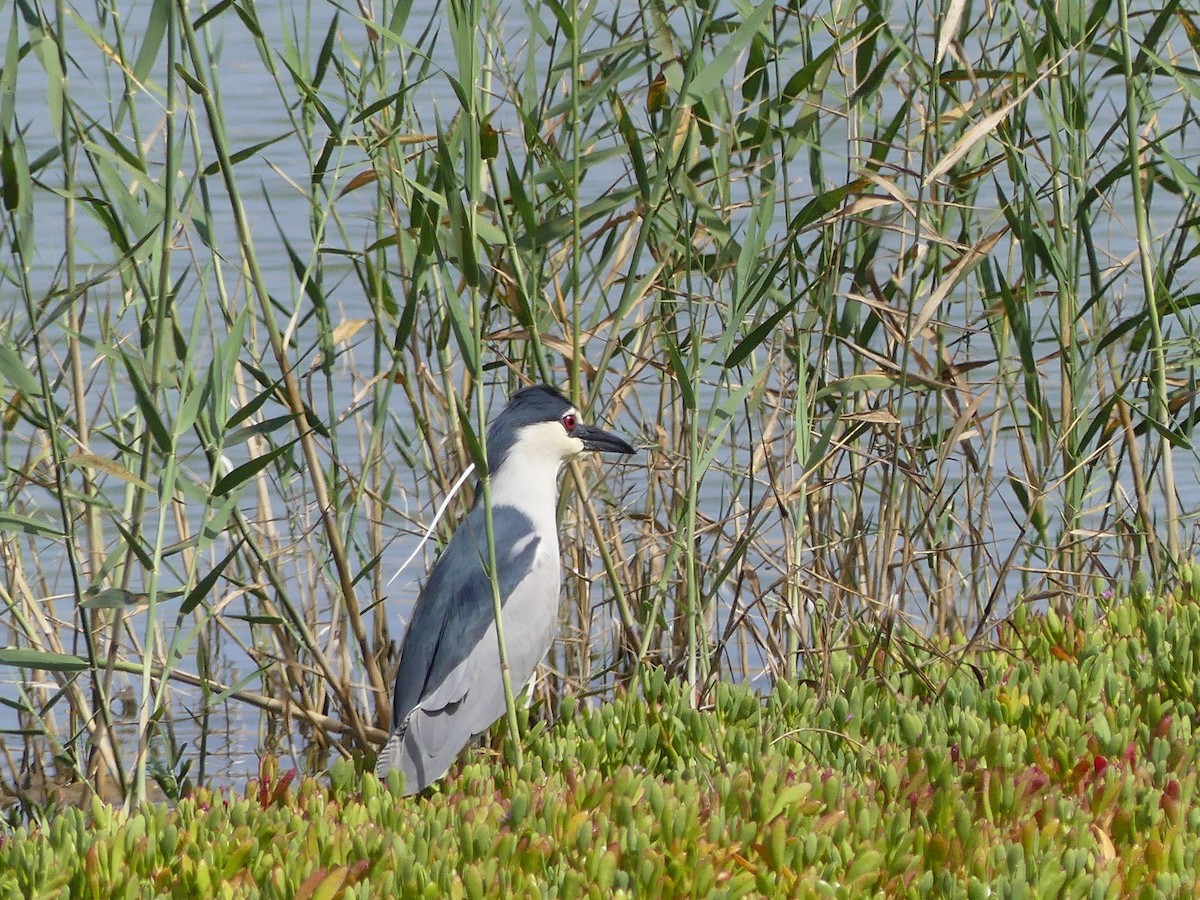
point(448, 686)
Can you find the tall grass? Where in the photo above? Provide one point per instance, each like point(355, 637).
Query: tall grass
point(898, 303)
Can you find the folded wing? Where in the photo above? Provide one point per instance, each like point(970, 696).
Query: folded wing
point(448, 686)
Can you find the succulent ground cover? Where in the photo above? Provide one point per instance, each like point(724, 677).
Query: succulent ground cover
point(1059, 759)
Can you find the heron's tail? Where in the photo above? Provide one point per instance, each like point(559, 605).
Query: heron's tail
point(389, 756)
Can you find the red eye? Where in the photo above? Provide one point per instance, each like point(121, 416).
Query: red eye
point(568, 422)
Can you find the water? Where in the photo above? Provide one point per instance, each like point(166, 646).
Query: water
point(279, 213)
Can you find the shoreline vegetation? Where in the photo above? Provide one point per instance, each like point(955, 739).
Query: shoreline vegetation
point(899, 300)
point(1060, 760)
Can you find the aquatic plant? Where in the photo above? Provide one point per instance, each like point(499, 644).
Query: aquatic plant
point(897, 297)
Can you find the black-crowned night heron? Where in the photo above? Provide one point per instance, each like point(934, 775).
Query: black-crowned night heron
point(448, 685)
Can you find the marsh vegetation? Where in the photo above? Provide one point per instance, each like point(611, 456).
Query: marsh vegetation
point(897, 300)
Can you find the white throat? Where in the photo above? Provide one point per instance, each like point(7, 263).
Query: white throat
point(528, 477)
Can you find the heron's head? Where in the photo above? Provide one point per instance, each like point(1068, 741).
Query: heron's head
point(540, 426)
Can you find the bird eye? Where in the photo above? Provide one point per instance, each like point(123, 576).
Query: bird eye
point(568, 422)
